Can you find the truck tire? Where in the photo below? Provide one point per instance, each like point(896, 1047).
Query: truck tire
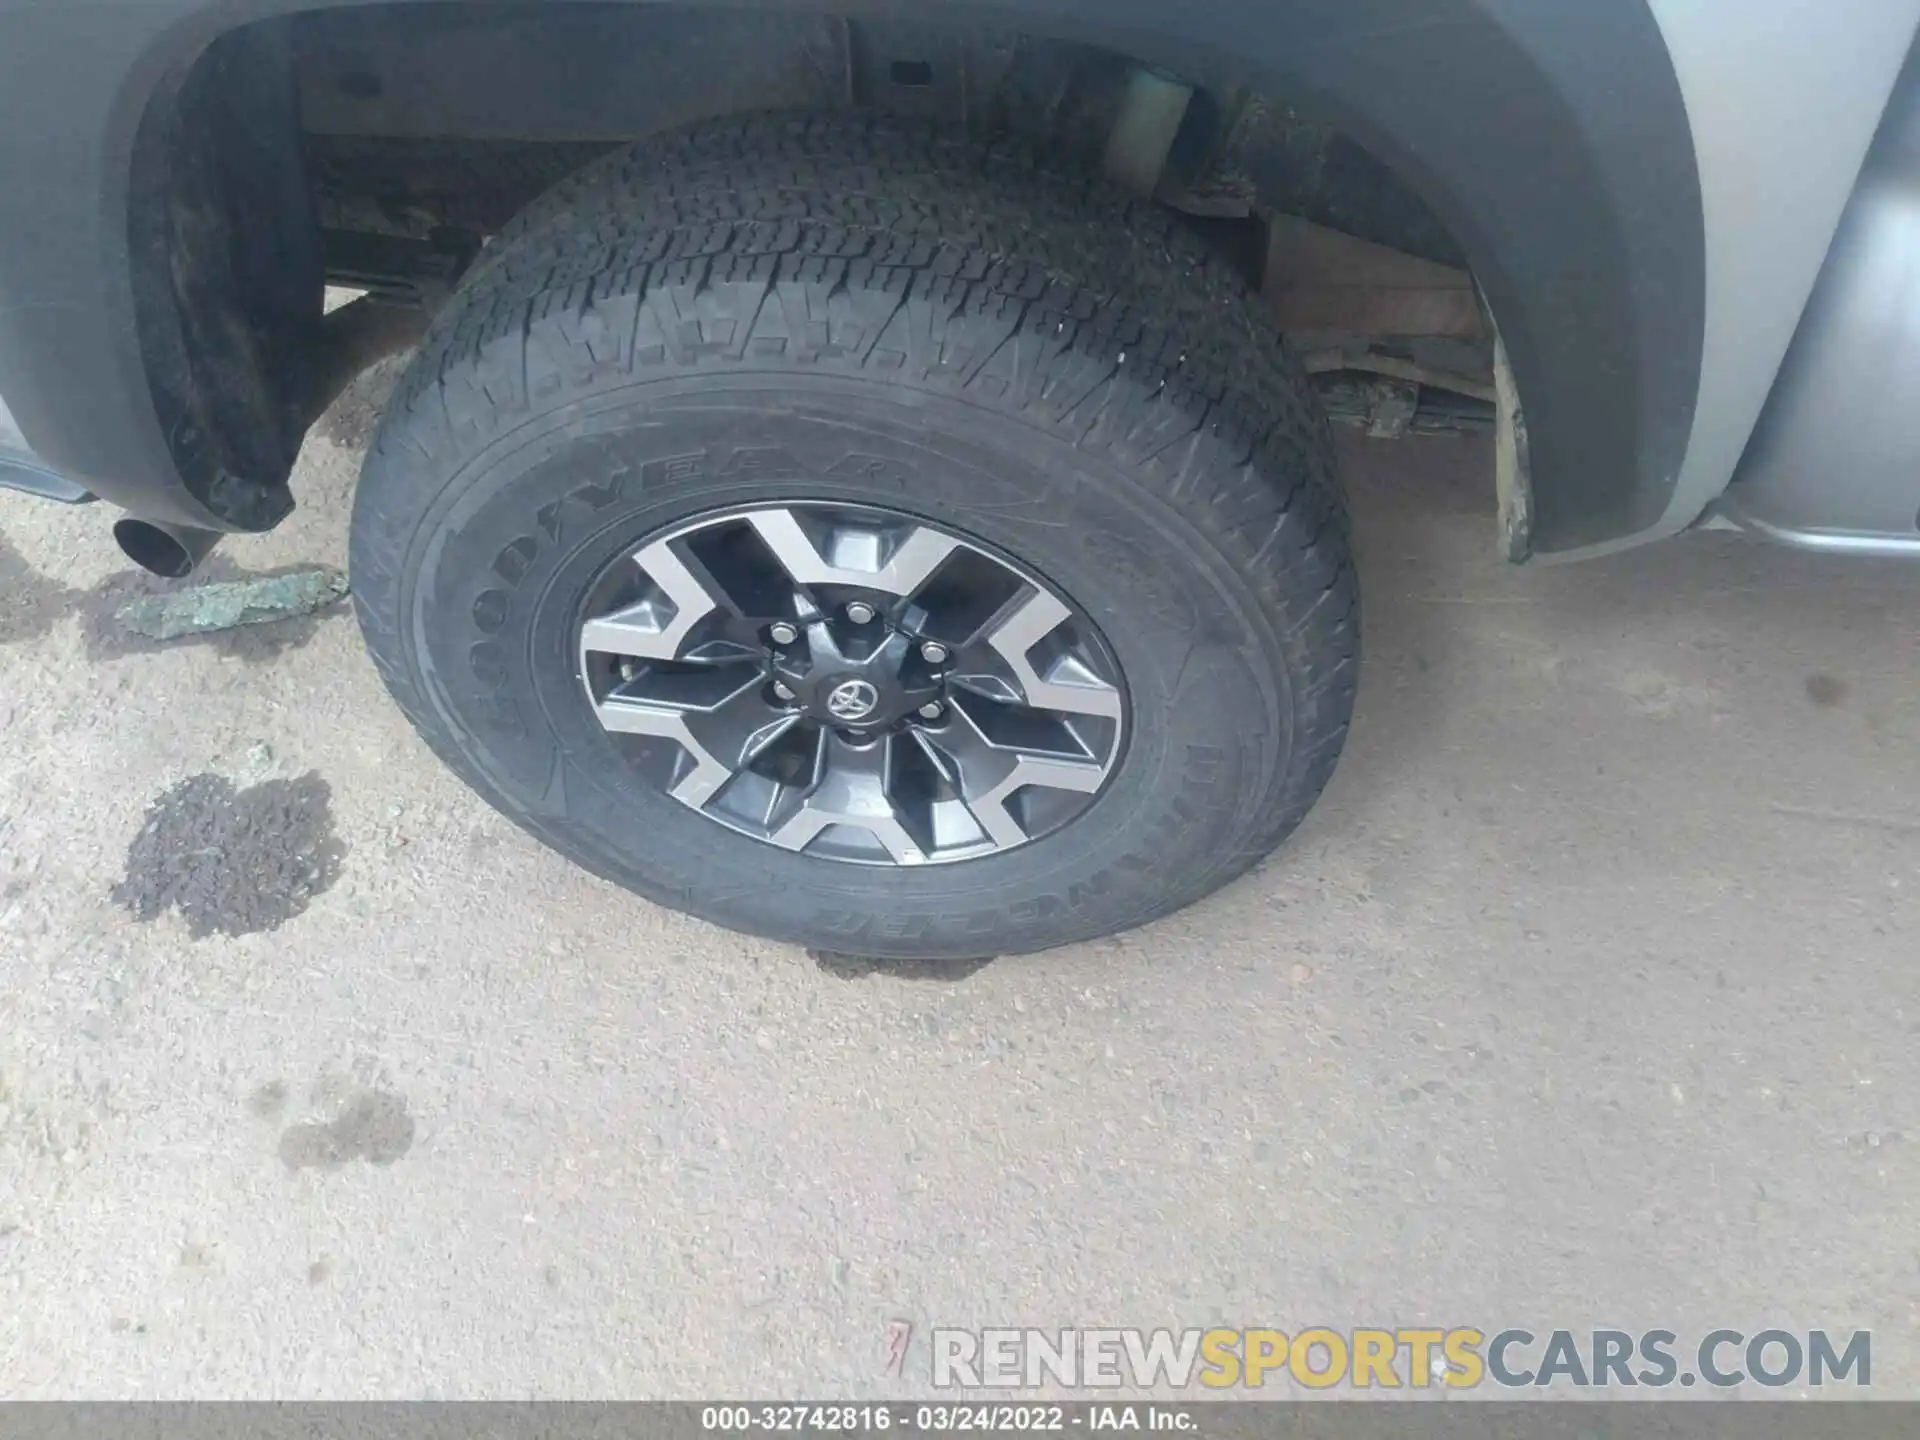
point(867, 537)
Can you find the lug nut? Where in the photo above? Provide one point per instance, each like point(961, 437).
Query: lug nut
point(859, 612)
point(934, 653)
point(781, 689)
point(932, 710)
point(782, 633)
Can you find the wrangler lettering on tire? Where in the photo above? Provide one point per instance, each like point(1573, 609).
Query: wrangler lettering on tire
point(867, 537)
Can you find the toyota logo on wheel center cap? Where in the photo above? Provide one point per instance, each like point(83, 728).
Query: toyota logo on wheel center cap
point(852, 700)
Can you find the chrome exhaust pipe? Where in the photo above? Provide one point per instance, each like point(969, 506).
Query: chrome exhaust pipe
point(171, 551)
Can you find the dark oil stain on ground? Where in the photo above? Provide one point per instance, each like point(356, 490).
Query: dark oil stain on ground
point(375, 1127)
point(233, 862)
point(31, 605)
point(1826, 691)
point(269, 1100)
point(860, 967)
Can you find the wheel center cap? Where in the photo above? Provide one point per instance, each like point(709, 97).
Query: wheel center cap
point(860, 683)
point(852, 700)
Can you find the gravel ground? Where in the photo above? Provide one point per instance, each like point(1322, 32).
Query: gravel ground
point(1588, 997)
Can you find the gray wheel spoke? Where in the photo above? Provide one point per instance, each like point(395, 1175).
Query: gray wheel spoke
point(1067, 684)
point(741, 729)
point(896, 559)
point(656, 626)
point(698, 729)
point(853, 791)
point(987, 776)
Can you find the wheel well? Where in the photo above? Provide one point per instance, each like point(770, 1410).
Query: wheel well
point(378, 144)
point(378, 147)
point(422, 113)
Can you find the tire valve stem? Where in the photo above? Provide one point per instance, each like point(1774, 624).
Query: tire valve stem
point(781, 689)
point(628, 669)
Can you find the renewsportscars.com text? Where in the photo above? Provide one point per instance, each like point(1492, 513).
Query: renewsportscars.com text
point(1459, 1358)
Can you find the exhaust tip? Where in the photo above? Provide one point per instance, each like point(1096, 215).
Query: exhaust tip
point(170, 551)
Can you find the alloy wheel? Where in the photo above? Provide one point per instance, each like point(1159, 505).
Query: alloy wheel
point(852, 683)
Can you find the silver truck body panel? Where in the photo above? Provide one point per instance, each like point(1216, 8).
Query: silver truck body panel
point(1835, 462)
point(1784, 98)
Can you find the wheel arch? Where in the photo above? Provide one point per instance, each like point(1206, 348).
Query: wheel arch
point(1552, 140)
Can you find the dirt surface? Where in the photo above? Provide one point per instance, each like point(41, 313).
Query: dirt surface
point(1588, 997)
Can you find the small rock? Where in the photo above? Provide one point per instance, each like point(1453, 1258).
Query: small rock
point(1302, 974)
point(764, 1039)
